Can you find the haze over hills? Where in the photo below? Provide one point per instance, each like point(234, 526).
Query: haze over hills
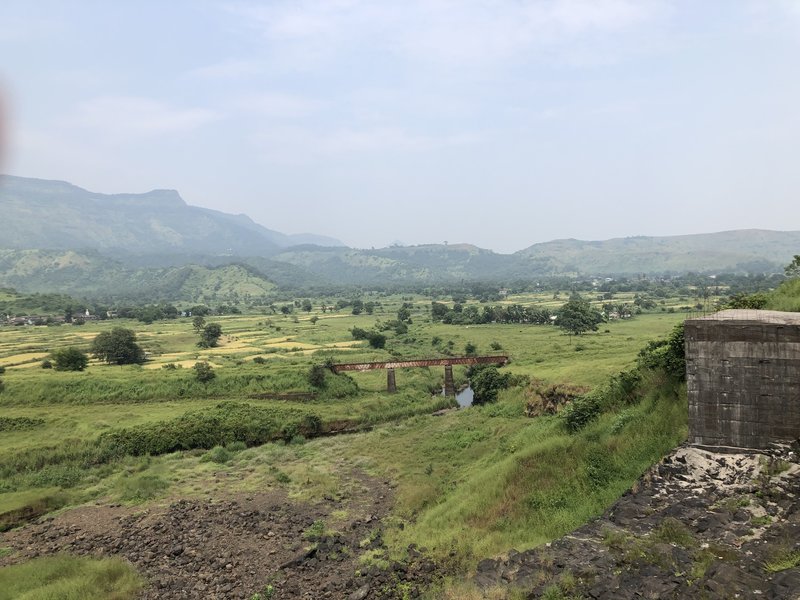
point(57, 237)
point(745, 250)
point(39, 213)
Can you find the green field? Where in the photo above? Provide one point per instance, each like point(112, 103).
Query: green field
point(470, 484)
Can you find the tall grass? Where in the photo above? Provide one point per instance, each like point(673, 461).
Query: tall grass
point(69, 578)
point(519, 483)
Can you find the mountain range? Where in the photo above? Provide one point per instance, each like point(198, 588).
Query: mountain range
point(39, 213)
point(57, 237)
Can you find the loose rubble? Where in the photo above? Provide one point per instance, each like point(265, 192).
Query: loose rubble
point(697, 525)
point(237, 547)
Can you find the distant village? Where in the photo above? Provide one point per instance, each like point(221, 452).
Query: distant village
point(75, 318)
point(78, 318)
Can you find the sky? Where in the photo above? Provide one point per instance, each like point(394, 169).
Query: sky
point(500, 123)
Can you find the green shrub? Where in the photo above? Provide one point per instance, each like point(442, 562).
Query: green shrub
point(203, 372)
point(486, 383)
point(19, 423)
point(223, 424)
point(340, 386)
point(217, 454)
point(667, 355)
point(623, 418)
point(316, 376)
point(599, 467)
point(581, 411)
point(376, 340)
point(69, 359)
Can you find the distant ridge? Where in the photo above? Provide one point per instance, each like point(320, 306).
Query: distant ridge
point(746, 250)
point(39, 213)
point(58, 237)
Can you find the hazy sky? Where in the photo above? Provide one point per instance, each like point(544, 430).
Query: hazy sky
point(500, 123)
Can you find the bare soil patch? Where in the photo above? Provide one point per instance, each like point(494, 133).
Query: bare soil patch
point(237, 545)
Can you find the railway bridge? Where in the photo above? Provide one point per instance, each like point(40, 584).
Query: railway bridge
point(447, 363)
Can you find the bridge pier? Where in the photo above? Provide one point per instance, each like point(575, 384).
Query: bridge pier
point(391, 384)
point(449, 383)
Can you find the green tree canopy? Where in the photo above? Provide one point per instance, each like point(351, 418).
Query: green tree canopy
point(198, 322)
point(118, 346)
point(577, 316)
point(210, 335)
point(203, 372)
point(486, 382)
point(69, 359)
point(792, 270)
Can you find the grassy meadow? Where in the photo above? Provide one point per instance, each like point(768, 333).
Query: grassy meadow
point(471, 483)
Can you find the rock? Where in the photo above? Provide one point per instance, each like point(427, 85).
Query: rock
point(360, 593)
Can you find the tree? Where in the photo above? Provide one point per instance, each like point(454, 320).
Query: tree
point(577, 316)
point(203, 372)
point(118, 346)
point(404, 312)
point(438, 311)
point(198, 322)
point(358, 333)
point(200, 310)
point(316, 376)
point(376, 340)
point(307, 305)
point(314, 319)
point(486, 382)
point(210, 335)
point(69, 359)
point(792, 270)
point(470, 349)
point(756, 301)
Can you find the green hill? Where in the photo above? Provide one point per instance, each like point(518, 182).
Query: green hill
point(749, 250)
point(89, 274)
point(39, 213)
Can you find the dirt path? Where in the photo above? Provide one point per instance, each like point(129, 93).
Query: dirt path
point(235, 546)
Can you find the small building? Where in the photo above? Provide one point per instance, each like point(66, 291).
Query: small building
point(743, 378)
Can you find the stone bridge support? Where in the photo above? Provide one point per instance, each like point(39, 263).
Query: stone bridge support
point(449, 383)
point(391, 383)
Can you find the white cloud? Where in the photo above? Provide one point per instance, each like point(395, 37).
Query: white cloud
point(18, 29)
point(278, 105)
point(302, 146)
point(126, 116)
point(445, 31)
point(228, 69)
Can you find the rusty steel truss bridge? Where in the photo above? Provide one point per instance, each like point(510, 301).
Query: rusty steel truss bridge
point(447, 363)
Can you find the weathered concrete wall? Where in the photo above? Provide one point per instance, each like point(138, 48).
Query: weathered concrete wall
point(743, 378)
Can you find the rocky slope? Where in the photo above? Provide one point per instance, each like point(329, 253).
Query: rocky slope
point(697, 525)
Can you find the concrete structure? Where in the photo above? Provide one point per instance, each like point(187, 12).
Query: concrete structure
point(743, 378)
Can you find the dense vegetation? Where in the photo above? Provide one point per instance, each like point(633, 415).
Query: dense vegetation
point(470, 484)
